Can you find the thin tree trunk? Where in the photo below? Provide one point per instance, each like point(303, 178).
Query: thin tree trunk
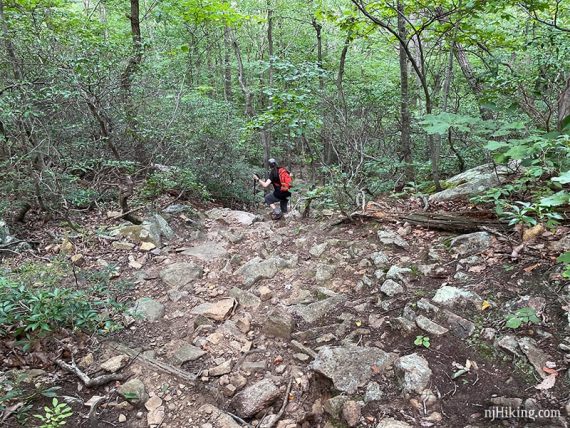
point(248, 97)
point(266, 135)
point(564, 107)
point(405, 117)
point(127, 81)
point(228, 93)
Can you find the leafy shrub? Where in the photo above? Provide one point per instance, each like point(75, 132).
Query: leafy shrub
point(56, 415)
point(35, 304)
point(521, 317)
point(173, 180)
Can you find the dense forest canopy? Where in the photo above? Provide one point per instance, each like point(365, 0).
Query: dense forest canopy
point(362, 95)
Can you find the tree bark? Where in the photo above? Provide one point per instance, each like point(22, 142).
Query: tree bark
point(248, 97)
point(127, 81)
point(405, 117)
point(564, 107)
point(228, 93)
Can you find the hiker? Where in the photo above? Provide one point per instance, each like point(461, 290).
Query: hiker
point(281, 180)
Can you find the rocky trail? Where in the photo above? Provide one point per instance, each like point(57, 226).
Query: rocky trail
point(240, 321)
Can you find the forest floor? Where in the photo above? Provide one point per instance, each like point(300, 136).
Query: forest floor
point(242, 321)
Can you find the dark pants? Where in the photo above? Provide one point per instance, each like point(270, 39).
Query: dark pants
point(270, 198)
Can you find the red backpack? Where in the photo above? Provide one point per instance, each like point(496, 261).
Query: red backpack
point(285, 179)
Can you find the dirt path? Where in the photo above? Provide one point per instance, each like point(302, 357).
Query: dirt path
point(295, 323)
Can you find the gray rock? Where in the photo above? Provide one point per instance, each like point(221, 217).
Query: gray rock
point(257, 269)
point(255, 398)
point(425, 305)
point(473, 181)
point(350, 367)
point(471, 243)
point(186, 352)
point(297, 346)
point(415, 371)
point(459, 326)
point(324, 272)
point(146, 232)
point(379, 259)
point(373, 392)
point(207, 251)
point(279, 324)
point(399, 274)
point(180, 275)
point(391, 288)
point(451, 296)
point(488, 334)
point(315, 311)
point(221, 369)
point(133, 391)
point(5, 233)
point(176, 295)
point(115, 364)
point(333, 405)
point(245, 298)
point(403, 325)
point(318, 250)
point(148, 309)
point(392, 423)
point(351, 412)
point(232, 217)
point(387, 237)
point(163, 227)
point(215, 310)
point(535, 355)
point(427, 270)
point(176, 209)
point(508, 343)
point(216, 418)
point(429, 326)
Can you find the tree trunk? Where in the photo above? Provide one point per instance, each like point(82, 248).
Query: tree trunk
point(266, 136)
point(405, 117)
point(127, 82)
point(248, 97)
point(564, 107)
point(228, 93)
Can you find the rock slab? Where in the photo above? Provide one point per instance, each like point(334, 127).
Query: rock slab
point(255, 398)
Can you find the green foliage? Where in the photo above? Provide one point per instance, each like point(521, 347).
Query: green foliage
point(564, 258)
point(522, 317)
point(35, 304)
point(174, 180)
point(422, 341)
point(56, 415)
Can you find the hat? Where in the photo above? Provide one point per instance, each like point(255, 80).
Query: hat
point(272, 161)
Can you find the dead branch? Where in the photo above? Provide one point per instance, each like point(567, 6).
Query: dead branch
point(87, 381)
point(274, 419)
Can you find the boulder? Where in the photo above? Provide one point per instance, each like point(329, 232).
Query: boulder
point(232, 217)
point(324, 272)
point(373, 392)
point(459, 326)
point(148, 309)
point(115, 364)
point(279, 324)
point(415, 372)
point(215, 310)
point(257, 269)
point(315, 311)
point(399, 274)
point(180, 275)
point(391, 288)
point(163, 227)
point(255, 398)
point(134, 391)
point(206, 251)
point(451, 296)
point(318, 250)
point(387, 237)
point(350, 367)
point(351, 412)
point(245, 298)
point(536, 356)
point(471, 243)
point(429, 326)
point(474, 181)
point(185, 352)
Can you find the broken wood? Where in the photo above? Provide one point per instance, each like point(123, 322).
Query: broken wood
point(459, 223)
point(87, 381)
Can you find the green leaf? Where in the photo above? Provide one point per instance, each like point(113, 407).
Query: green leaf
point(564, 257)
point(513, 322)
point(495, 145)
point(556, 200)
point(563, 179)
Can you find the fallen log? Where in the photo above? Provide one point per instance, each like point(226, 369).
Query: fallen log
point(458, 223)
